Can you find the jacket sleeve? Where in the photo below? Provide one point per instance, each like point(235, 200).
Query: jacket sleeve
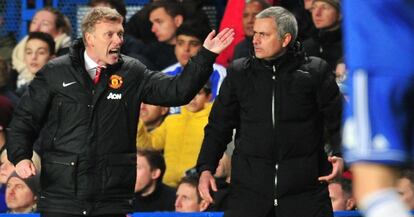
point(330, 100)
point(154, 140)
point(28, 118)
point(165, 90)
point(223, 119)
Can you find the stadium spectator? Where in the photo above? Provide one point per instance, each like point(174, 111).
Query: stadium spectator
point(188, 198)
point(152, 116)
point(180, 136)
point(165, 17)
point(327, 42)
point(150, 193)
point(48, 20)
point(22, 194)
point(405, 187)
point(40, 48)
point(189, 37)
point(340, 192)
point(6, 169)
point(251, 9)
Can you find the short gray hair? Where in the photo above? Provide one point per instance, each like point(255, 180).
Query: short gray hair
point(285, 21)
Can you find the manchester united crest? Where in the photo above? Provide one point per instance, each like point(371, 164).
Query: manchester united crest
point(115, 82)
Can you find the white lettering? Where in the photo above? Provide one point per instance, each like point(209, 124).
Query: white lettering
point(114, 96)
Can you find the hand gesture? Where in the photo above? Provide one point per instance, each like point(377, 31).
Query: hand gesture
point(218, 43)
point(206, 182)
point(337, 169)
point(25, 168)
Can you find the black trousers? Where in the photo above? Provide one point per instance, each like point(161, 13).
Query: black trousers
point(53, 214)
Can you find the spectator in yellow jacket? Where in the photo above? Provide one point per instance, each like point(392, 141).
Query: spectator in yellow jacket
point(180, 136)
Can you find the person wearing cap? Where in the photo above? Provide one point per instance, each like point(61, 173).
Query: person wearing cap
point(280, 102)
point(327, 42)
point(22, 194)
point(180, 136)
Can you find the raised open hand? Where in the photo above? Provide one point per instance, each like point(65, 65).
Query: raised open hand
point(219, 42)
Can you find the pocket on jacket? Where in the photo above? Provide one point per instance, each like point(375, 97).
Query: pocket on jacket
point(58, 176)
point(120, 174)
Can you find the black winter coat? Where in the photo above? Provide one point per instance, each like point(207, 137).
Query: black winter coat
point(326, 45)
point(88, 132)
point(280, 109)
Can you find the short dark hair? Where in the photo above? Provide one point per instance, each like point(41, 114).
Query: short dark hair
point(191, 180)
point(346, 185)
point(171, 7)
point(195, 29)
point(263, 3)
point(155, 160)
point(118, 5)
point(44, 37)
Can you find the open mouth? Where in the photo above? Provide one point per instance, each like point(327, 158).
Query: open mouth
point(115, 51)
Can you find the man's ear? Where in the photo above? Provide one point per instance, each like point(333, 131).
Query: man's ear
point(178, 20)
point(88, 38)
point(350, 203)
point(203, 205)
point(155, 174)
point(286, 40)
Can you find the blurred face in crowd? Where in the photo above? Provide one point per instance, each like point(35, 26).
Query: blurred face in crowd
point(307, 4)
point(406, 189)
point(164, 26)
point(186, 47)
point(6, 169)
point(187, 199)
point(19, 197)
point(146, 177)
point(324, 15)
point(340, 200)
point(249, 15)
point(199, 101)
point(266, 41)
point(36, 55)
point(104, 44)
point(44, 21)
point(152, 114)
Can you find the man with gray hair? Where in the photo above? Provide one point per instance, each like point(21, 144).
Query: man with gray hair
point(85, 106)
point(280, 102)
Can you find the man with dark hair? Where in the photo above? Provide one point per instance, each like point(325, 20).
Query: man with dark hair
point(84, 108)
point(188, 42)
point(150, 193)
point(245, 47)
point(166, 17)
point(188, 198)
point(340, 192)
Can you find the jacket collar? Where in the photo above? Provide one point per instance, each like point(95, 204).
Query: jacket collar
point(294, 56)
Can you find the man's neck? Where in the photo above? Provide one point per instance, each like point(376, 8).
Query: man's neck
point(149, 189)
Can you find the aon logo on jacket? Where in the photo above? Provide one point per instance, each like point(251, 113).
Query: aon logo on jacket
point(114, 96)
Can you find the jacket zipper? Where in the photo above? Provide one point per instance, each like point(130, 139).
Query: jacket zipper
point(274, 127)
point(64, 163)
